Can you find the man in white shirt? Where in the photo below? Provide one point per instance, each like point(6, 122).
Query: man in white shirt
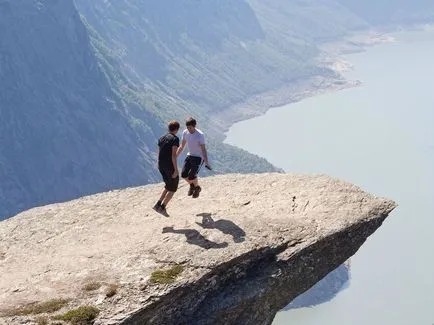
point(196, 156)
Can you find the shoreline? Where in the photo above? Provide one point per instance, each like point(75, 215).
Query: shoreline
point(330, 58)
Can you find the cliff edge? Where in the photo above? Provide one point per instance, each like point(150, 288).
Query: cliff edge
point(236, 255)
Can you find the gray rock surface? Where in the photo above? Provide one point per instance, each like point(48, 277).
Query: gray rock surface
point(248, 245)
point(325, 290)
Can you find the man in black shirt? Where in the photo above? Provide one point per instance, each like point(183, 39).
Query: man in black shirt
point(167, 165)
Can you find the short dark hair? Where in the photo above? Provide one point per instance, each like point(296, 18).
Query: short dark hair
point(173, 126)
point(190, 122)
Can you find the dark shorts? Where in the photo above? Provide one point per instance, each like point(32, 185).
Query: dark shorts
point(171, 183)
point(191, 167)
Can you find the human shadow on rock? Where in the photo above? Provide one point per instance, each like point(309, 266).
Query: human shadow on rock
point(225, 226)
point(194, 237)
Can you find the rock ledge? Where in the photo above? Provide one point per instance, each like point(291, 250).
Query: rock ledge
point(248, 246)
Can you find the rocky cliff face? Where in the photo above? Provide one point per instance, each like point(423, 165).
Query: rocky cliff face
point(185, 49)
point(325, 290)
point(242, 251)
point(64, 132)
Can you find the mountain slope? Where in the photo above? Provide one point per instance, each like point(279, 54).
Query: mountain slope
point(86, 87)
point(63, 132)
point(71, 121)
point(204, 53)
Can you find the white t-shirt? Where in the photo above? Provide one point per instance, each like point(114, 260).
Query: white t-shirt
point(194, 140)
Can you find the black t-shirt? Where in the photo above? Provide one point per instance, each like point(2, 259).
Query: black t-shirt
point(166, 142)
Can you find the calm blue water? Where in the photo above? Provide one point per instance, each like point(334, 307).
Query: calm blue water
point(379, 136)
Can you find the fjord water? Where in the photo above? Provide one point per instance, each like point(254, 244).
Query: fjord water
point(379, 136)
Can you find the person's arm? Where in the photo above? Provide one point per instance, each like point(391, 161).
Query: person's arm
point(205, 155)
point(174, 161)
point(204, 152)
point(181, 148)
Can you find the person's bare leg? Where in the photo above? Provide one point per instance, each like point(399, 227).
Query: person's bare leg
point(197, 188)
point(160, 201)
point(191, 186)
point(163, 195)
point(189, 181)
point(167, 199)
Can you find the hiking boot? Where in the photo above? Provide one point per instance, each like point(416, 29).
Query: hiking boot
point(163, 211)
point(190, 190)
point(196, 192)
point(157, 207)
